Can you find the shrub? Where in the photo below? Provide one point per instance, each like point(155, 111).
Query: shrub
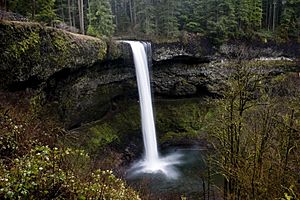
point(44, 174)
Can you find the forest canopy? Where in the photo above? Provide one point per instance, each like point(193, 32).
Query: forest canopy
point(219, 19)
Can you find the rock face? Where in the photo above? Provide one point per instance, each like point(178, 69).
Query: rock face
point(192, 46)
point(255, 51)
point(187, 80)
point(86, 95)
point(31, 53)
point(82, 97)
point(199, 48)
point(81, 78)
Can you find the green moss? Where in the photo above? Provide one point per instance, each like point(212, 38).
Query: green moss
point(67, 102)
point(36, 103)
point(128, 120)
point(182, 119)
point(38, 51)
point(114, 50)
point(101, 136)
point(106, 92)
point(61, 48)
point(102, 50)
point(182, 115)
point(177, 136)
point(175, 120)
point(31, 41)
point(60, 43)
point(279, 79)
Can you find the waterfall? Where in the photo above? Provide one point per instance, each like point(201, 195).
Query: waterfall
point(143, 82)
point(152, 161)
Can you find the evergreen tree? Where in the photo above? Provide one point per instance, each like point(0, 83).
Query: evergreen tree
point(22, 7)
point(255, 14)
point(166, 22)
point(216, 19)
point(40, 10)
point(45, 11)
point(229, 18)
point(290, 20)
point(100, 18)
point(145, 16)
point(221, 21)
point(193, 16)
point(243, 9)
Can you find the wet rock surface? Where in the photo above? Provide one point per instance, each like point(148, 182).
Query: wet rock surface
point(81, 77)
point(90, 95)
point(32, 53)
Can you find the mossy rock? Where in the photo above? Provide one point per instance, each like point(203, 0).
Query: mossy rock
point(182, 120)
point(32, 51)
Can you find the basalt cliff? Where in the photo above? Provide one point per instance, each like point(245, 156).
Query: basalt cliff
point(80, 79)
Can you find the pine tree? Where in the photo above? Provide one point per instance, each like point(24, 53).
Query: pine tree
point(100, 18)
point(290, 20)
point(243, 9)
point(21, 6)
point(255, 14)
point(193, 16)
point(166, 21)
point(145, 12)
point(221, 20)
point(45, 11)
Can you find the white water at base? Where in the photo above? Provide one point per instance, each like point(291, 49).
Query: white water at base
point(152, 163)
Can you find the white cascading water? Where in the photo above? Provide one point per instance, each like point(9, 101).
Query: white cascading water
point(152, 162)
point(143, 81)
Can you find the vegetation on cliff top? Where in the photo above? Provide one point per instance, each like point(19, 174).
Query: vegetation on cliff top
point(218, 20)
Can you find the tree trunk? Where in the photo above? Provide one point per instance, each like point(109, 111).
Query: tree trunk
point(274, 16)
point(33, 9)
point(82, 16)
point(270, 15)
point(62, 10)
point(116, 13)
point(80, 12)
point(134, 12)
point(267, 14)
point(130, 11)
point(2, 4)
point(73, 13)
point(69, 13)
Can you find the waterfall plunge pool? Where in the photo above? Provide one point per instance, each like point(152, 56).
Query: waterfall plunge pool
point(191, 180)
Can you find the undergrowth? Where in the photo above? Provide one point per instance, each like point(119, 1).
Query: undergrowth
point(33, 165)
